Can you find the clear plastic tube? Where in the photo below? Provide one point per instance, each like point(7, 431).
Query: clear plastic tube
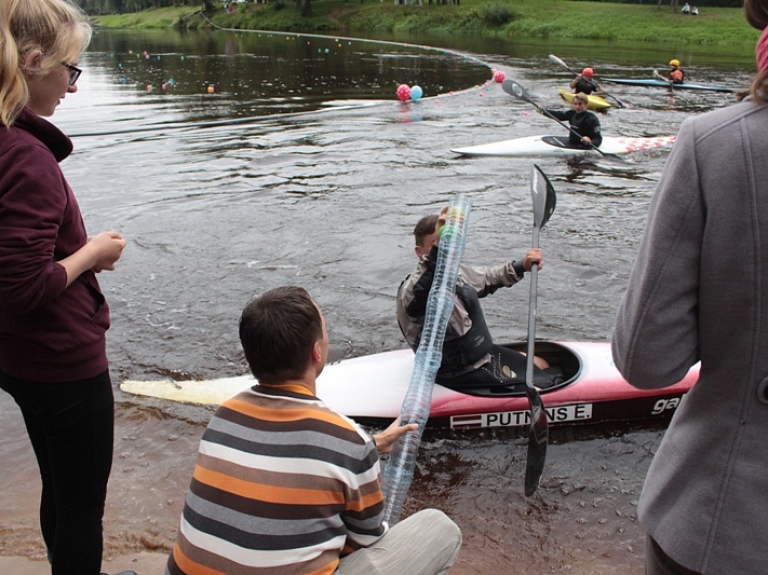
point(418, 400)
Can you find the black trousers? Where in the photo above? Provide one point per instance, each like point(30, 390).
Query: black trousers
point(507, 367)
point(71, 428)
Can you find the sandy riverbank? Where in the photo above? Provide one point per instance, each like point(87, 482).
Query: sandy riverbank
point(142, 563)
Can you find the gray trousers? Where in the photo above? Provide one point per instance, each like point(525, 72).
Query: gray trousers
point(426, 543)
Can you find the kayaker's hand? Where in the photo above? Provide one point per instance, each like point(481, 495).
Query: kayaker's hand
point(586, 140)
point(533, 257)
point(386, 439)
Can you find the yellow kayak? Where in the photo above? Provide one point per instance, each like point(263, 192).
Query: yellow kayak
point(595, 102)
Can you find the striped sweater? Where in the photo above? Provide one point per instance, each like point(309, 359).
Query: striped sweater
point(283, 485)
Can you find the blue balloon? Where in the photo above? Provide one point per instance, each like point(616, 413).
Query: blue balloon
point(416, 92)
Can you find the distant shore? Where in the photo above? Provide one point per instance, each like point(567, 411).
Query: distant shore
point(562, 19)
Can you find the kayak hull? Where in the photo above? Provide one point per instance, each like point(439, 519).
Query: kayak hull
point(662, 84)
point(371, 389)
point(538, 146)
point(594, 102)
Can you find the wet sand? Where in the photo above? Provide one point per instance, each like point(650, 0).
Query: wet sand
point(582, 519)
point(141, 563)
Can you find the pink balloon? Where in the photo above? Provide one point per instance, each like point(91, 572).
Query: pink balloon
point(403, 92)
point(499, 76)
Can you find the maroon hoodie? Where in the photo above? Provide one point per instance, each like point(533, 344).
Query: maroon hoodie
point(48, 332)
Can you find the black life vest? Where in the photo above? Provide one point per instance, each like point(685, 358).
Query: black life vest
point(461, 353)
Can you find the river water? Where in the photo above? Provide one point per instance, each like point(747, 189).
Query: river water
point(258, 160)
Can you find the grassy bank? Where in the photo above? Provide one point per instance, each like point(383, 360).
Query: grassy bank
point(506, 18)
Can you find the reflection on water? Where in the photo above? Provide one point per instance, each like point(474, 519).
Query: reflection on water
point(327, 199)
point(200, 76)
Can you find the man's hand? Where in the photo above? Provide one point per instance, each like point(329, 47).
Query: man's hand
point(386, 439)
point(533, 257)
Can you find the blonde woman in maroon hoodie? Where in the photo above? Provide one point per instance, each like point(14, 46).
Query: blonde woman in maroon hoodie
point(53, 316)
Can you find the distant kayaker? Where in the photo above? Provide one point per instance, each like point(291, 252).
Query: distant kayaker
point(470, 358)
point(585, 84)
point(676, 75)
point(584, 123)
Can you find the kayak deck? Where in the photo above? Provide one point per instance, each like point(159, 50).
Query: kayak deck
point(559, 146)
point(371, 389)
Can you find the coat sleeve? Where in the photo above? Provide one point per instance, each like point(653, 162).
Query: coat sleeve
point(486, 281)
point(561, 115)
point(33, 200)
point(655, 340)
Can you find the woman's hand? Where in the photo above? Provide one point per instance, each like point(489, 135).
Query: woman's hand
point(108, 247)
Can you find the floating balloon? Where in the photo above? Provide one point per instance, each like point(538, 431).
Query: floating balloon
point(403, 92)
point(416, 92)
point(499, 76)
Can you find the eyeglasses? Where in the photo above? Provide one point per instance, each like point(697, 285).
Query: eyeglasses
point(74, 72)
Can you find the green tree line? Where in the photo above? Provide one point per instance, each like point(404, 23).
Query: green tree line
point(98, 7)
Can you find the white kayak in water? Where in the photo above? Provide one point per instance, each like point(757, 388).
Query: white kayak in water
point(559, 146)
point(370, 389)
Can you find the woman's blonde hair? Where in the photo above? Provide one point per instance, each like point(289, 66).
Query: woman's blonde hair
point(57, 28)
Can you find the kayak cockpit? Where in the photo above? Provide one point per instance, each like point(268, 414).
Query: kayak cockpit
point(565, 368)
point(561, 142)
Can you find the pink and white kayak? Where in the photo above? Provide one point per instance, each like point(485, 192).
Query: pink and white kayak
point(558, 146)
point(370, 389)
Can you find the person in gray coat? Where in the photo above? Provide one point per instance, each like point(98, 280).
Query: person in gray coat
point(699, 292)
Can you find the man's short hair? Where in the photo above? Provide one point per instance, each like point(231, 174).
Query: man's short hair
point(424, 227)
point(278, 330)
point(581, 97)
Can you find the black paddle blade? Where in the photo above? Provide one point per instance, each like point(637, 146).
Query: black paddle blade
point(514, 89)
point(544, 197)
point(538, 437)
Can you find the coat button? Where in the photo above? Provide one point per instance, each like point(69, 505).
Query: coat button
point(762, 391)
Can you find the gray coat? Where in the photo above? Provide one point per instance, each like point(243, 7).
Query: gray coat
point(699, 291)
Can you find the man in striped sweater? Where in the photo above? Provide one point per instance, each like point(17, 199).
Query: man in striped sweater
point(285, 486)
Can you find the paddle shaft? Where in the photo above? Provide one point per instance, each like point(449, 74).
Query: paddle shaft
point(543, 196)
point(667, 80)
point(532, 313)
point(538, 433)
